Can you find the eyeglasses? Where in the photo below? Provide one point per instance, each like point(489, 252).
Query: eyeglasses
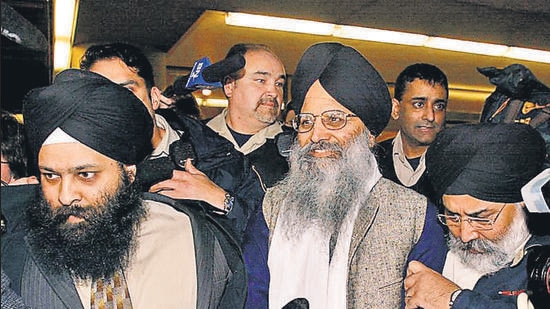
point(476, 223)
point(332, 120)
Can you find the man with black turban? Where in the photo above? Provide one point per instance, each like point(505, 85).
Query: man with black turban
point(93, 239)
point(478, 171)
point(340, 234)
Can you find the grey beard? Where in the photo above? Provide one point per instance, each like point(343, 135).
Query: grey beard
point(267, 116)
point(496, 254)
point(319, 192)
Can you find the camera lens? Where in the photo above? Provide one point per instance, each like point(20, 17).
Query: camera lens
point(538, 267)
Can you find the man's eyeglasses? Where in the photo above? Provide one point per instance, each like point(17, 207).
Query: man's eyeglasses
point(482, 224)
point(332, 120)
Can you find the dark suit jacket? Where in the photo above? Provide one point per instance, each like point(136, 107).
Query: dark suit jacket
point(384, 156)
point(221, 275)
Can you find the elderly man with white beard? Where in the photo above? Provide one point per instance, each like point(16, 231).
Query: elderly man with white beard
point(340, 234)
point(478, 171)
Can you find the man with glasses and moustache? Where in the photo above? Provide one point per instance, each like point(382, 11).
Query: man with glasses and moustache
point(477, 172)
point(340, 234)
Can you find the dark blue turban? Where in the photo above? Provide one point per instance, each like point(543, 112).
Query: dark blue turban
point(349, 78)
point(488, 161)
point(95, 111)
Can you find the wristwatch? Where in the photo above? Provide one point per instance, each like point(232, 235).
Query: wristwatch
point(228, 203)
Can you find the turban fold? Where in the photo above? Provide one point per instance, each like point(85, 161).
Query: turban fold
point(93, 110)
point(349, 78)
point(488, 161)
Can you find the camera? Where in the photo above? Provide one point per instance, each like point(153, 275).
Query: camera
point(538, 270)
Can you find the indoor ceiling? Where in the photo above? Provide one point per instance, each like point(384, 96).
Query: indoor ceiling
point(188, 30)
point(161, 23)
point(182, 31)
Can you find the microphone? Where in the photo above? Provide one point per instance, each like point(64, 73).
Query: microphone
point(196, 79)
point(217, 71)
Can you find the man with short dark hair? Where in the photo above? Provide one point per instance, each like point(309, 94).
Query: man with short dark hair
point(340, 234)
point(126, 65)
point(419, 107)
point(478, 171)
point(193, 164)
point(93, 238)
point(250, 121)
point(255, 94)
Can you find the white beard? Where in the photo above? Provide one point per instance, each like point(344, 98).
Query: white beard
point(496, 254)
point(319, 191)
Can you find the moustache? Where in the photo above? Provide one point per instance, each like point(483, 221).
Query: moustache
point(87, 213)
point(322, 145)
point(266, 100)
point(478, 245)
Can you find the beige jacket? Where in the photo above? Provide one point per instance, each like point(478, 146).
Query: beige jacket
point(387, 227)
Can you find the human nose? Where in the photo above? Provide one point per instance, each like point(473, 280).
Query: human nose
point(68, 193)
point(319, 132)
point(429, 113)
point(273, 90)
point(467, 232)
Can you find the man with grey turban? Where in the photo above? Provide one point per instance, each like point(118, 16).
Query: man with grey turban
point(477, 172)
point(340, 234)
point(92, 239)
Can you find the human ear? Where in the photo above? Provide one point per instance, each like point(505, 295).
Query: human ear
point(155, 97)
point(228, 87)
point(395, 106)
point(131, 171)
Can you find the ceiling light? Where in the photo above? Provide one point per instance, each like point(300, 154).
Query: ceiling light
point(384, 36)
point(466, 46)
point(64, 19)
point(211, 102)
point(528, 54)
point(278, 23)
point(377, 35)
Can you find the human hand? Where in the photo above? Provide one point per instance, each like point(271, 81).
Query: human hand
point(524, 302)
point(191, 184)
point(426, 288)
point(31, 180)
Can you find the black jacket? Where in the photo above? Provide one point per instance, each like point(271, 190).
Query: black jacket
point(384, 156)
point(220, 161)
point(230, 169)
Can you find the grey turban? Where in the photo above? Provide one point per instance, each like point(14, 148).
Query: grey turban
point(488, 161)
point(349, 78)
point(95, 111)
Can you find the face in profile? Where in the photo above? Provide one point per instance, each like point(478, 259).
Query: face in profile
point(257, 95)
point(421, 112)
point(118, 72)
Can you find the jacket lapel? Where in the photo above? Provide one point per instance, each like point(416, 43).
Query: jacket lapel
point(61, 285)
point(367, 213)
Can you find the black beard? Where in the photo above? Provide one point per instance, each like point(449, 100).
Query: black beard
point(94, 248)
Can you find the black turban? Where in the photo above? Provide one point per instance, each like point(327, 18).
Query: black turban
point(349, 78)
point(95, 111)
point(488, 161)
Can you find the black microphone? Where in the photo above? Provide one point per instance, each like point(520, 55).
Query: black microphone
point(217, 71)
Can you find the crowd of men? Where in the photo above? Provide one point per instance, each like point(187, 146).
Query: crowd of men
point(132, 210)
